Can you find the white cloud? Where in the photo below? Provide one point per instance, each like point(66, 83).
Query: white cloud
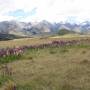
point(6, 18)
point(51, 10)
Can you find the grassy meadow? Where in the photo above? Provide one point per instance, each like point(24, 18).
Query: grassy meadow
point(36, 41)
point(50, 68)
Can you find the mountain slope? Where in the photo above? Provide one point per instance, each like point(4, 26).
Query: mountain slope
point(32, 29)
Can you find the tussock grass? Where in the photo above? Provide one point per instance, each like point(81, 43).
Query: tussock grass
point(52, 68)
point(34, 53)
point(4, 79)
point(10, 85)
point(8, 59)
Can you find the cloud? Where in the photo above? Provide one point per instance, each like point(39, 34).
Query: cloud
point(51, 10)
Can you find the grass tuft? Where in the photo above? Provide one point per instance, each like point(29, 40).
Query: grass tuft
point(8, 59)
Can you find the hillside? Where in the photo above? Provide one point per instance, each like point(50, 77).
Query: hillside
point(8, 37)
point(65, 31)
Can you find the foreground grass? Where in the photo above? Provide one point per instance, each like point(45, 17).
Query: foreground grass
point(63, 68)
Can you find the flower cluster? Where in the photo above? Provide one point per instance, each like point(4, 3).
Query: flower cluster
point(11, 51)
point(55, 43)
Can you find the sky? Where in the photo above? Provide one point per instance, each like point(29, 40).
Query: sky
point(50, 10)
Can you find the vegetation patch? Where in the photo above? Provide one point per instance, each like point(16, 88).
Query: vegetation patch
point(11, 58)
point(85, 61)
point(24, 87)
point(83, 52)
point(53, 66)
point(64, 50)
point(4, 79)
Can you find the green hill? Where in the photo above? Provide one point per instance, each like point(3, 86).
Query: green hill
point(65, 31)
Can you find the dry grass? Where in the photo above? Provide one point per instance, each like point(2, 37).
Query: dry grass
point(64, 69)
point(34, 41)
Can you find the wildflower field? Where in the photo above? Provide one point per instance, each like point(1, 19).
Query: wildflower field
point(45, 64)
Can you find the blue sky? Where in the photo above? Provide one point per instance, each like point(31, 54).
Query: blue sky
point(51, 10)
point(20, 14)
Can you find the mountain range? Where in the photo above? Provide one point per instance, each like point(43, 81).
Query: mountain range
point(44, 27)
